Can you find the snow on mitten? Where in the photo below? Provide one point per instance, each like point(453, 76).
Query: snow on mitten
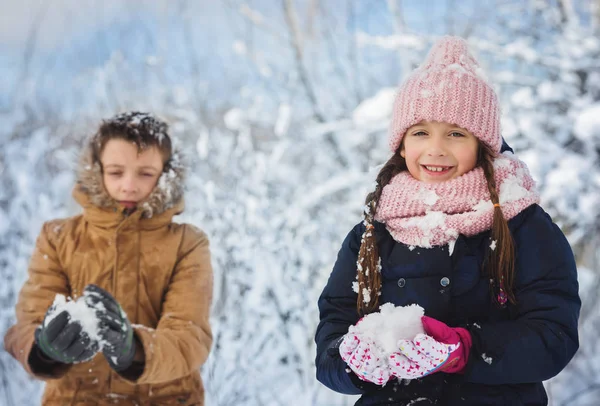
point(364, 358)
point(65, 334)
point(117, 334)
point(65, 341)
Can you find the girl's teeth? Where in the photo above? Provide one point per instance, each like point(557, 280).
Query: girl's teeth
point(435, 168)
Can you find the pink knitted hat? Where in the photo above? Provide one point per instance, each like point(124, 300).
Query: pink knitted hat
point(447, 87)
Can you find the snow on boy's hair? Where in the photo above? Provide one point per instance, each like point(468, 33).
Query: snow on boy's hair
point(143, 129)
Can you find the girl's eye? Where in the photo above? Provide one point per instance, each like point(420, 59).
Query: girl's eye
point(147, 175)
point(114, 173)
point(456, 134)
point(420, 133)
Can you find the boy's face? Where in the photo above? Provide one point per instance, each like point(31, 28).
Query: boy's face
point(129, 176)
point(437, 152)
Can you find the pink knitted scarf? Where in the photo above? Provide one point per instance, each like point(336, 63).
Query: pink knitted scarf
point(432, 214)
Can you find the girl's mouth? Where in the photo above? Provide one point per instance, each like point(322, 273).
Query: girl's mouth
point(436, 170)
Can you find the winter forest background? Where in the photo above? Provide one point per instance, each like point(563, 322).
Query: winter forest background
point(282, 108)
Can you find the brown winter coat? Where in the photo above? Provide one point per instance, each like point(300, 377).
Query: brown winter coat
point(160, 273)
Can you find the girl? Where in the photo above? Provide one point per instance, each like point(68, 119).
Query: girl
point(454, 226)
point(151, 278)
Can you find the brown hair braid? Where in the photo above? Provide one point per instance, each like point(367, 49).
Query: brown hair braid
point(368, 266)
point(500, 261)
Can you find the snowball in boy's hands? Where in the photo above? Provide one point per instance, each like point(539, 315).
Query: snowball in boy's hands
point(68, 333)
point(364, 358)
point(78, 311)
point(64, 341)
point(391, 324)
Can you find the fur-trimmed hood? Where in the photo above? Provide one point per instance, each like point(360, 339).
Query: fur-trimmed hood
point(167, 194)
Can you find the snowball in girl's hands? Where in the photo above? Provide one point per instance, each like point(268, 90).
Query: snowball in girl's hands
point(391, 324)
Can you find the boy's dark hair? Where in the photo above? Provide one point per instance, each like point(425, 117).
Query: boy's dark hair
point(499, 264)
point(143, 129)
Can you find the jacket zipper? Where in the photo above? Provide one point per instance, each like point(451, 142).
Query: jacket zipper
point(114, 288)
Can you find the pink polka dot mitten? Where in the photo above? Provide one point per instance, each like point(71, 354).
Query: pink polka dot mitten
point(365, 358)
point(419, 357)
point(455, 336)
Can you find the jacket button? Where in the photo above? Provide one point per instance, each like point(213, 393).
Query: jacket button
point(444, 281)
point(401, 282)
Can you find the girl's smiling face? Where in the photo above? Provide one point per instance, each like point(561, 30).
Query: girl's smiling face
point(437, 152)
point(129, 175)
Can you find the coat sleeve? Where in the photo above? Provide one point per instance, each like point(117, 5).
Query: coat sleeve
point(542, 336)
point(337, 311)
point(183, 338)
point(46, 279)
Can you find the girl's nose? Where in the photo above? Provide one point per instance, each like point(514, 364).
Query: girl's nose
point(435, 146)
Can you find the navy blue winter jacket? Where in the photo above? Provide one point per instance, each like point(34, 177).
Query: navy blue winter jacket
point(524, 344)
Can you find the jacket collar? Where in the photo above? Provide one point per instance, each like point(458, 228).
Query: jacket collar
point(117, 217)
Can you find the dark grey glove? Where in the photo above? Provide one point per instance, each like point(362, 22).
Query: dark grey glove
point(64, 341)
point(116, 331)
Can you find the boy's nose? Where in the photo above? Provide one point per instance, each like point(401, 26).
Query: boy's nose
point(128, 185)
